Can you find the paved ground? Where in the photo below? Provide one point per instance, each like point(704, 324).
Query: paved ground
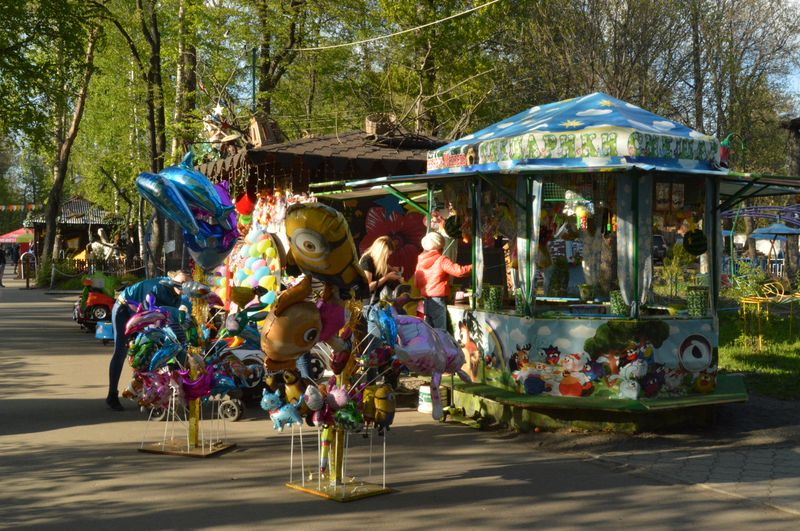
point(66, 461)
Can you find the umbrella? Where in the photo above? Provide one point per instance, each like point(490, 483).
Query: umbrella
point(776, 229)
point(772, 237)
point(775, 232)
point(17, 236)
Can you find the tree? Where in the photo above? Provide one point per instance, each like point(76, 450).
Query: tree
point(65, 133)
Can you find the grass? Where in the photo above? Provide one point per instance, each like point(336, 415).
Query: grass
point(775, 370)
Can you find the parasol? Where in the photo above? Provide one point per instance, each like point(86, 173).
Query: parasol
point(17, 236)
point(773, 233)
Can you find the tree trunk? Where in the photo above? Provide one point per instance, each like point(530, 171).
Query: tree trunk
point(697, 68)
point(156, 122)
point(750, 243)
point(64, 149)
point(273, 56)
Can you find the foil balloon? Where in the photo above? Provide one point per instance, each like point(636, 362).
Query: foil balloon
point(321, 245)
point(245, 205)
point(218, 245)
point(198, 191)
point(168, 201)
point(164, 354)
point(194, 289)
point(141, 320)
point(291, 328)
point(222, 384)
point(225, 197)
point(428, 351)
point(198, 388)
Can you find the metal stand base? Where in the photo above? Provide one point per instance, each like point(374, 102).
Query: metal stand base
point(179, 448)
point(346, 492)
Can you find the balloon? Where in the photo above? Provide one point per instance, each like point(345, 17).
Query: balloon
point(291, 328)
point(321, 245)
point(222, 384)
point(269, 297)
point(429, 351)
point(261, 272)
point(225, 197)
point(261, 246)
point(270, 252)
point(258, 264)
point(199, 387)
point(219, 246)
point(264, 299)
point(249, 262)
point(263, 283)
point(272, 282)
point(166, 198)
point(239, 276)
point(245, 220)
point(245, 205)
point(254, 251)
point(198, 191)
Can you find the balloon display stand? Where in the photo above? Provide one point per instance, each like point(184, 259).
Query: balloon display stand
point(331, 479)
point(183, 433)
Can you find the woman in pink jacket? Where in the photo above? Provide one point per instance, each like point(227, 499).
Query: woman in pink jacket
point(432, 277)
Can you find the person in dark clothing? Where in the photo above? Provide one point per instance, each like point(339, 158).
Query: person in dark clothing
point(164, 294)
point(14, 256)
point(2, 266)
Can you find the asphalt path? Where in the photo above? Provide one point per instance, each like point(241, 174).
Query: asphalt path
point(68, 462)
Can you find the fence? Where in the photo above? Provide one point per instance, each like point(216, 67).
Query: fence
point(112, 266)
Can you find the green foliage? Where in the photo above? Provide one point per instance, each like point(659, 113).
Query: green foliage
point(447, 79)
point(65, 274)
point(675, 264)
point(773, 370)
point(747, 282)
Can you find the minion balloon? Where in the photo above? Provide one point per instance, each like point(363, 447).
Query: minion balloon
point(321, 245)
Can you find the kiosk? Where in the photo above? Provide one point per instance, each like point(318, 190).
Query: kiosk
point(567, 316)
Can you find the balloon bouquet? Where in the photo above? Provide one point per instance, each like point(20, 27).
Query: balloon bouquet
point(353, 399)
point(174, 358)
point(160, 354)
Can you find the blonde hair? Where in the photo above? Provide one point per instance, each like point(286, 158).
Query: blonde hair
point(379, 251)
point(432, 240)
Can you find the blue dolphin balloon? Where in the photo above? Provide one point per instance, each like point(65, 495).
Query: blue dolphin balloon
point(198, 191)
point(163, 195)
point(164, 354)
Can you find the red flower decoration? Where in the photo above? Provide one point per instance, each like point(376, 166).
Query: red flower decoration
point(406, 231)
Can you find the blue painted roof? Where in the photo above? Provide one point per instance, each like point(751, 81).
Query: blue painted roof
point(589, 131)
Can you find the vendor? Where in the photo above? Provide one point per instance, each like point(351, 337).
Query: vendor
point(166, 294)
point(432, 277)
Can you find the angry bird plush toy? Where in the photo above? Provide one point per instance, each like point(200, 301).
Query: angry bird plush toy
point(320, 245)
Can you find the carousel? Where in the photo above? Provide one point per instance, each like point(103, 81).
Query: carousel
point(594, 233)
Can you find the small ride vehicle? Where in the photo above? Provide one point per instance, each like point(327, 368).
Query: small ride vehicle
point(93, 306)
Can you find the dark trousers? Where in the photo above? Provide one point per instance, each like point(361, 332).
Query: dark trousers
point(436, 312)
point(119, 318)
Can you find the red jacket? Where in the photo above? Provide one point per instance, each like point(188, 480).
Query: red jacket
point(434, 271)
